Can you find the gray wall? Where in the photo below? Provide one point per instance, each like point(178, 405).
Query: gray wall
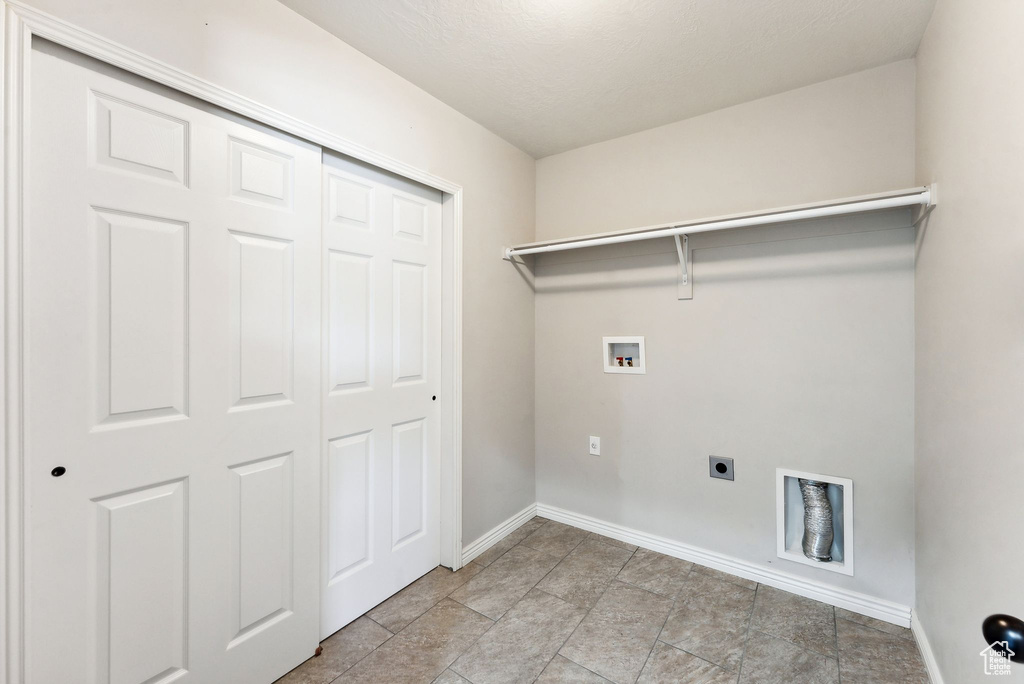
point(796, 350)
point(970, 329)
point(263, 50)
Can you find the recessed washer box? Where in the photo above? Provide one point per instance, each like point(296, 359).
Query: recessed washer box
point(624, 355)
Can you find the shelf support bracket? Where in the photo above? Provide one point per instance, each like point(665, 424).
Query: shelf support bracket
point(933, 201)
point(685, 281)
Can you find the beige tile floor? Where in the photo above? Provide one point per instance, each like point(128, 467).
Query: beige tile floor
point(552, 603)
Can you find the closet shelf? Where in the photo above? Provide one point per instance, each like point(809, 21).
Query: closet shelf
point(925, 197)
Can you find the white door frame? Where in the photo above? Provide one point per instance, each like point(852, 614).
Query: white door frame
point(19, 23)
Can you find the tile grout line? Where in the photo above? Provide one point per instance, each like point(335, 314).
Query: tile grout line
point(532, 587)
point(347, 669)
point(746, 637)
point(545, 591)
point(566, 640)
point(667, 615)
point(663, 623)
point(535, 586)
point(835, 632)
point(340, 674)
point(501, 555)
point(656, 593)
point(473, 643)
point(484, 567)
point(470, 646)
point(676, 601)
point(408, 586)
point(876, 629)
point(836, 620)
point(585, 616)
point(493, 621)
point(394, 634)
point(726, 574)
point(560, 560)
point(671, 609)
point(680, 648)
point(802, 647)
point(367, 616)
point(591, 608)
point(522, 543)
point(793, 643)
point(449, 596)
point(584, 667)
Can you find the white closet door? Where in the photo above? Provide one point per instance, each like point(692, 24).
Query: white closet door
point(172, 324)
point(382, 346)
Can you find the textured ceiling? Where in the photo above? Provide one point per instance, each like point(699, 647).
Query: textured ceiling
point(551, 75)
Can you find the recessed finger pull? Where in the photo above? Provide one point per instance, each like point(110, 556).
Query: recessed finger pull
point(58, 471)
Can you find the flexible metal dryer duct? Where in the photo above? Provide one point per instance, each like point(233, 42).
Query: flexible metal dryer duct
point(818, 532)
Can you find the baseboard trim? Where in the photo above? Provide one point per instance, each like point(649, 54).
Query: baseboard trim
point(489, 539)
point(871, 606)
point(927, 654)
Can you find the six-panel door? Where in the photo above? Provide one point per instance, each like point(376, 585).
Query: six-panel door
point(381, 364)
point(172, 366)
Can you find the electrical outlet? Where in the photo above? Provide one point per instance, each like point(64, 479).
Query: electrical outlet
point(595, 446)
point(721, 468)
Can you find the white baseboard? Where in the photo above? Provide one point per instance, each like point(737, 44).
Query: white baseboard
point(871, 606)
point(489, 539)
point(927, 654)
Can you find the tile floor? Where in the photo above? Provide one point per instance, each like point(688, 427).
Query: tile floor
point(553, 603)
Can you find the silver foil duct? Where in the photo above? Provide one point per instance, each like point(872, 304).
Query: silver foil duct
point(818, 533)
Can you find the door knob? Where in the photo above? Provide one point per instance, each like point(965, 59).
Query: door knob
point(58, 471)
point(1005, 628)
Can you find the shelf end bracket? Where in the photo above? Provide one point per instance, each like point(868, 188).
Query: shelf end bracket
point(933, 201)
point(685, 280)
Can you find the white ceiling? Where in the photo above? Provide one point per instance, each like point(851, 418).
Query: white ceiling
point(552, 75)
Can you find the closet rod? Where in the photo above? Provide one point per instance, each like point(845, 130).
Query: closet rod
point(924, 196)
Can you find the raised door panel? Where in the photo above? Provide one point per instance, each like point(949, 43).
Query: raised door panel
point(261, 175)
point(409, 312)
point(262, 544)
point(128, 137)
point(350, 319)
point(262, 309)
point(409, 477)
point(350, 492)
point(142, 311)
point(350, 203)
point(141, 599)
point(409, 218)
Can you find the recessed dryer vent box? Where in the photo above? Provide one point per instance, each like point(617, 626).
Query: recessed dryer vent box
point(790, 523)
point(624, 355)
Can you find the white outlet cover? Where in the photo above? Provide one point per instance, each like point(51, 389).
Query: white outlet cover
point(595, 446)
